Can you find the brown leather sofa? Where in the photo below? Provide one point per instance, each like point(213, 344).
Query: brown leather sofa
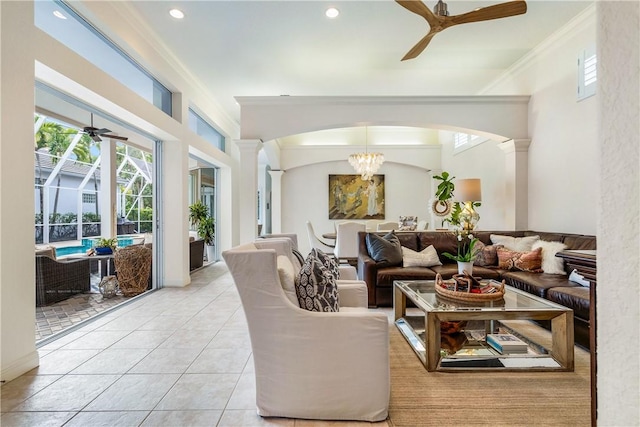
point(380, 276)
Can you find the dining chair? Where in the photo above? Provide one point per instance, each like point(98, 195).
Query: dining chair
point(422, 225)
point(387, 226)
point(346, 249)
point(315, 242)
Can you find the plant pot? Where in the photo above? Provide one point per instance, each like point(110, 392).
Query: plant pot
point(465, 266)
point(103, 251)
point(211, 253)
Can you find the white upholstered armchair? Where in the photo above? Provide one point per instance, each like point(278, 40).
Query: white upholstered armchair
point(310, 365)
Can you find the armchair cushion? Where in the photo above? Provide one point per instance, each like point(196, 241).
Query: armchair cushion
point(287, 278)
point(316, 286)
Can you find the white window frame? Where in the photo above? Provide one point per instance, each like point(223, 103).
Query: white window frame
point(587, 73)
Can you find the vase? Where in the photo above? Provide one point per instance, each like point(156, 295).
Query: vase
point(465, 266)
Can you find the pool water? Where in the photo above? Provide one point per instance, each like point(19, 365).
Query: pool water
point(88, 244)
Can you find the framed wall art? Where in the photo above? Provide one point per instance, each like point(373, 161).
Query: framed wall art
point(352, 198)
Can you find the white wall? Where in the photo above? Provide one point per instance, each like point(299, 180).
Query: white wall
point(563, 154)
point(619, 201)
point(484, 161)
point(305, 196)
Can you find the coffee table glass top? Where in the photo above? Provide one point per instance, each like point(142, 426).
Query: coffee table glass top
point(514, 299)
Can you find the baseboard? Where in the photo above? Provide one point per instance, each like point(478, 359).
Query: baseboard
point(20, 366)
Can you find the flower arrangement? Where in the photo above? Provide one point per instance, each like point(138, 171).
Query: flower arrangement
point(466, 247)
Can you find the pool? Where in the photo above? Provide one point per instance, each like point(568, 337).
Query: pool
point(88, 244)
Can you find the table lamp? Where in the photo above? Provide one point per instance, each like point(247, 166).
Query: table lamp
point(468, 191)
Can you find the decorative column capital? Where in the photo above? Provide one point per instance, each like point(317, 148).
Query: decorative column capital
point(515, 145)
point(249, 144)
point(276, 173)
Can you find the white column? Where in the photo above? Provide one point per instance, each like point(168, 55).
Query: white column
point(248, 194)
point(516, 185)
point(618, 292)
point(17, 263)
point(276, 201)
point(108, 187)
point(175, 214)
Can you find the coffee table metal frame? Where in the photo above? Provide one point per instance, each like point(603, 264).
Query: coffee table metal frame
point(518, 305)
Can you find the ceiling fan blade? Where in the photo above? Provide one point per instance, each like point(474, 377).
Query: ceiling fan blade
point(95, 137)
point(502, 10)
point(418, 7)
point(121, 138)
point(103, 130)
point(420, 46)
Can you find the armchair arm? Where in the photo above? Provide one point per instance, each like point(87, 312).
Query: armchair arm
point(352, 293)
point(348, 272)
point(368, 272)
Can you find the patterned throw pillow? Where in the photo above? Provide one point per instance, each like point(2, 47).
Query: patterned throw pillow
point(524, 261)
point(384, 249)
point(426, 258)
point(486, 255)
point(519, 244)
point(316, 286)
point(551, 264)
point(328, 261)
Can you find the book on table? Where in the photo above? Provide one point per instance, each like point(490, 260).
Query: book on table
point(507, 343)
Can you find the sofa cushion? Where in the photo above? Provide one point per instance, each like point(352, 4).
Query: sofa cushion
point(316, 287)
point(443, 241)
point(426, 258)
point(573, 297)
point(551, 264)
point(287, 275)
point(525, 261)
point(486, 255)
point(578, 242)
point(535, 283)
point(46, 250)
point(387, 275)
point(385, 248)
point(518, 244)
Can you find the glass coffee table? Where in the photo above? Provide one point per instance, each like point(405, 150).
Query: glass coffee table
point(447, 334)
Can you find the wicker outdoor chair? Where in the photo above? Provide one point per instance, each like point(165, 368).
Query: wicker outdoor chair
point(133, 266)
point(59, 280)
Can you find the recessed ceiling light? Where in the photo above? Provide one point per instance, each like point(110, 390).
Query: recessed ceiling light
point(332, 12)
point(176, 13)
point(59, 14)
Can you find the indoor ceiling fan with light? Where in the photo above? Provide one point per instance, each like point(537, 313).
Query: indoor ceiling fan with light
point(440, 20)
point(96, 133)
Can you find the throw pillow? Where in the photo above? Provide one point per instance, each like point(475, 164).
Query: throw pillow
point(384, 249)
point(425, 258)
point(524, 261)
point(486, 255)
point(328, 261)
point(407, 223)
point(316, 287)
point(518, 244)
point(551, 264)
point(287, 278)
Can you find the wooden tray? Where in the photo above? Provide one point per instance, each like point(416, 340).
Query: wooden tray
point(452, 290)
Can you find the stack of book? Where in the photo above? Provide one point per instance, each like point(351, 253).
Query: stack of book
point(507, 343)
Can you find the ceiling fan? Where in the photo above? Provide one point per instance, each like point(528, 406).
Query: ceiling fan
point(440, 20)
point(96, 133)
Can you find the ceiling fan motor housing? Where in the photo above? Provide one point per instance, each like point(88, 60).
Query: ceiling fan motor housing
point(441, 9)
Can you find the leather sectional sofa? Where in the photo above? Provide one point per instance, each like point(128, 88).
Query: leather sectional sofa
point(380, 276)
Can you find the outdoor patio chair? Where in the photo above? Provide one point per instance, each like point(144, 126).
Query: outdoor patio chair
point(59, 280)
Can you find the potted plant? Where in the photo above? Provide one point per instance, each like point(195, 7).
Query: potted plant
point(466, 252)
point(207, 230)
point(197, 212)
point(106, 246)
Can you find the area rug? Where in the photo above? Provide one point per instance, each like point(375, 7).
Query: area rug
point(421, 398)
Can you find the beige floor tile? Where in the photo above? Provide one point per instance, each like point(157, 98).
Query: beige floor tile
point(112, 361)
point(134, 393)
point(244, 395)
point(199, 391)
point(39, 419)
point(185, 338)
point(108, 419)
point(166, 360)
point(165, 323)
point(251, 419)
point(230, 339)
point(182, 418)
point(17, 391)
point(220, 361)
point(125, 323)
point(96, 340)
point(62, 361)
point(69, 393)
point(143, 339)
point(62, 341)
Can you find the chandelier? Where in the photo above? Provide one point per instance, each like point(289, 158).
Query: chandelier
point(366, 164)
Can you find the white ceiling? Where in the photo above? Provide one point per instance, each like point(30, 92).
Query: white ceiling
point(256, 48)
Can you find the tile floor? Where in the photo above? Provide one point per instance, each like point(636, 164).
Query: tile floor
point(177, 357)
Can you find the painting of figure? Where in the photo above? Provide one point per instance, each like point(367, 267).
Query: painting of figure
point(351, 197)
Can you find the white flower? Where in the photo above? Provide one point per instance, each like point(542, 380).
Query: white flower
point(470, 236)
point(459, 238)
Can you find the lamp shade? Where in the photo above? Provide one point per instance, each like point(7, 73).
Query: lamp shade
point(468, 190)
